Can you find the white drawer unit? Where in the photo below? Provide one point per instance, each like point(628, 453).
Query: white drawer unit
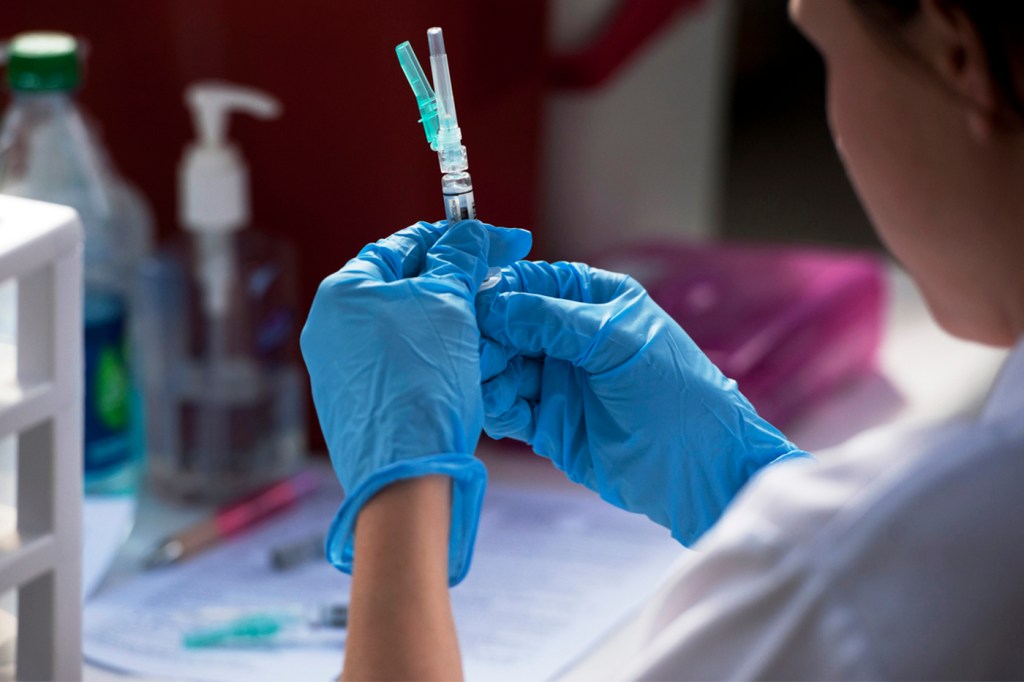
point(41, 436)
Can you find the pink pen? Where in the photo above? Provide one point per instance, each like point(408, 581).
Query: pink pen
point(234, 518)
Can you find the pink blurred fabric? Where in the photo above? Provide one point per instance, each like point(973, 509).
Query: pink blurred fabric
point(789, 324)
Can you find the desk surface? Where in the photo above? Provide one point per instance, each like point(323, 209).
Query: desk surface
point(906, 391)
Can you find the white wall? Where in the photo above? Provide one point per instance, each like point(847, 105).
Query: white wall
point(641, 156)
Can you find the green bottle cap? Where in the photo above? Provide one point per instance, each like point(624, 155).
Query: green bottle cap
point(39, 62)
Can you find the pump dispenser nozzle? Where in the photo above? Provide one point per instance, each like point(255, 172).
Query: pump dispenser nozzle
point(213, 178)
point(214, 183)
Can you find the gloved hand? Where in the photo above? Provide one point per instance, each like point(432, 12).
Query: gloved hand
point(581, 364)
point(392, 349)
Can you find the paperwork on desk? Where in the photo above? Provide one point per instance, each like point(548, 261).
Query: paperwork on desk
point(106, 522)
point(554, 571)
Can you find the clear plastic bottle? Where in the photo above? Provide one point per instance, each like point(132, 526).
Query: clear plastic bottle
point(50, 151)
point(226, 391)
point(225, 387)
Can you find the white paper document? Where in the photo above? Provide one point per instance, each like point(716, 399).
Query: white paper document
point(553, 573)
point(106, 522)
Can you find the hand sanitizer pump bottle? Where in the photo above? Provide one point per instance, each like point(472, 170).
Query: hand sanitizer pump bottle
point(225, 386)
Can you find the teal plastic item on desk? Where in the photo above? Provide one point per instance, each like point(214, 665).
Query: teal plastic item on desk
point(256, 628)
point(264, 627)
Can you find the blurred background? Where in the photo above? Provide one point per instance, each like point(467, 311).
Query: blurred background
point(742, 95)
point(684, 142)
point(594, 123)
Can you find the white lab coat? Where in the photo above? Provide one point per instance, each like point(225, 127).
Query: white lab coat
point(896, 560)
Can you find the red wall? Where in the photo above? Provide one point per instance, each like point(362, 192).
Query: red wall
point(347, 162)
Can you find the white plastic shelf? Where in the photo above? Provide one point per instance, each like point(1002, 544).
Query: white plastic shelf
point(22, 407)
point(27, 559)
point(40, 409)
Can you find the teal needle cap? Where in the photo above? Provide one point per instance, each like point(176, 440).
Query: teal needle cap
point(425, 99)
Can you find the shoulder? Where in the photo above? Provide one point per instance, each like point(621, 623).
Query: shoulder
point(885, 494)
point(930, 569)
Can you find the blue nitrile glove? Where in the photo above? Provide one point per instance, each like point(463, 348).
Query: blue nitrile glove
point(581, 364)
point(392, 349)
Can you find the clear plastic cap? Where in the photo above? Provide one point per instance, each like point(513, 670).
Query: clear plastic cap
point(448, 122)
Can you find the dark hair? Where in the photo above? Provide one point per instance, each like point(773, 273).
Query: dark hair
point(1000, 26)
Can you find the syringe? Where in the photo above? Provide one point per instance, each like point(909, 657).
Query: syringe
point(296, 625)
point(441, 126)
point(456, 184)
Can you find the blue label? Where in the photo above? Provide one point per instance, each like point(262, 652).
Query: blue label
point(108, 409)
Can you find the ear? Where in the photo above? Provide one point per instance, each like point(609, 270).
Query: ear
point(954, 48)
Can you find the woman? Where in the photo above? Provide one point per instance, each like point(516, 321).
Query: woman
point(905, 563)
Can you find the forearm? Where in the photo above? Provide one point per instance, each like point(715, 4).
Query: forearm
point(400, 624)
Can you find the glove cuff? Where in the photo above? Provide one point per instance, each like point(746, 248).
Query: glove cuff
point(469, 480)
point(717, 494)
